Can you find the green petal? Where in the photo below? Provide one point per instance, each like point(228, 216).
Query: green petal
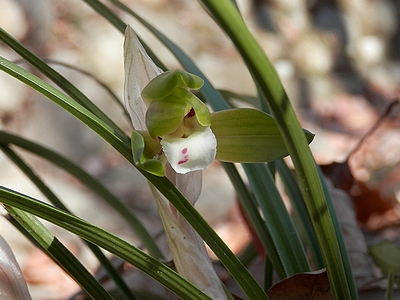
point(203, 115)
point(165, 83)
point(248, 136)
point(165, 116)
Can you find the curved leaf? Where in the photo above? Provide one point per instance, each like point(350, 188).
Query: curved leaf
point(106, 240)
point(90, 182)
point(248, 136)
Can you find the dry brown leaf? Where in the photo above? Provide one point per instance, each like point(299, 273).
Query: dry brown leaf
point(304, 286)
point(367, 202)
point(362, 266)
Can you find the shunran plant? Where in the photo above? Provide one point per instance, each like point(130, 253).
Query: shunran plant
point(181, 124)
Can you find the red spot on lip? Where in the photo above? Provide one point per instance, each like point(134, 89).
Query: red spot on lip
point(184, 150)
point(184, 160)
point(191, 113)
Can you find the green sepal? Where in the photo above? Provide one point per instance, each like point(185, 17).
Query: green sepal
point(137, 145)
point(152, 146)
point(153, 166)
point(248, 136)
point(164, 84)
point(143, 149)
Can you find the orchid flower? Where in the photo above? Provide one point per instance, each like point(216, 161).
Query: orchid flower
point(172, 126)
point(163, 106)
point(12, 283)
point(180, 120)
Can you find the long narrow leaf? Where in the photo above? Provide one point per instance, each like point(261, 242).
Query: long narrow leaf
point(58, 79)
point(289, 249)
point(103, 239)
point(270, 86)
point(117, 139)
point(109, 91)
point(61, 255)
point(340, 238)
point(253, 213)
point(91, 183)
point(297, 201)
point(120, 25)
point(48, 193)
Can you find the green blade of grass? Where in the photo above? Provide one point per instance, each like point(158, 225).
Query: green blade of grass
point(287, 244)
point(105, 240)
point(58, 79)
point(91, 183)
point(269, 84)
point(390, 286)
point(253, 213)
point(48, 193)
point(117, 138)
point(340, 238)
point(109, 91)
point(120, 25)
point(61, 255)
point(297, 201)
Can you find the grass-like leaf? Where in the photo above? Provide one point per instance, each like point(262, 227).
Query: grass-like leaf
point(253, 213)
point(48, 193)
point(58, 79)
point(290, 255)
point(103, 85)
point(105, 240)
point(294, 193)
point(57, 251)
point(267, 80)
point(117, 138)
point(91, 183)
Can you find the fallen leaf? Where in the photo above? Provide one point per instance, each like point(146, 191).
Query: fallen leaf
point(354, 239)
point(304, 286)
point(369, 202)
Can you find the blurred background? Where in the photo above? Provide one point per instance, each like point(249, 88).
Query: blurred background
point(338, 60)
